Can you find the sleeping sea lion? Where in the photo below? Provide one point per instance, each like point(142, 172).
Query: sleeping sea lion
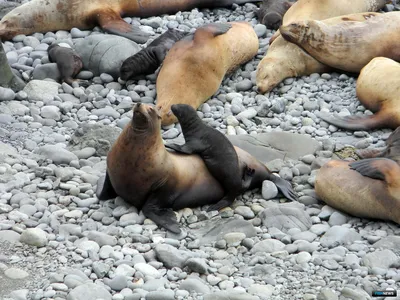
point(145, 174)
point(348, 46)
point(368, 188)
point(43, 15)
point(284, 59)
point(271, 12)
point(378, 90)
point(147, 60)
point(218, 154)
point(69, 63)
point(195, 66)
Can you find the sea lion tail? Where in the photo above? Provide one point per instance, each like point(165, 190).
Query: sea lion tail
point(356, 122)
point(284, 187)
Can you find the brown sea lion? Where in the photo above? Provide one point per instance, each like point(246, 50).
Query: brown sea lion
point(348, 46)
point(378, 90)
point(147, 60)
point(271, 12)
point(284, 59)
point(195, 66)
point(69, 63)
point(368, 188)
point(43, 15)
point(145, 174)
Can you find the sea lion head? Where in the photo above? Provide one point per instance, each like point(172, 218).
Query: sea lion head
point(296, 32)
point(145, 118)
point(185, 113)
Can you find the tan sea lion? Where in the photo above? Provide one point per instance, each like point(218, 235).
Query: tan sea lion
point(285, 59)
point(195, 66)
point(145, 174)
point(378, 90)
point(44, 15)
point(348, 46)
point(369, 188)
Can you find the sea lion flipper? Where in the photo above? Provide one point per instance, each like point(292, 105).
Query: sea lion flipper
point(210, 30)
point(160, 53)
point(163, 217)
point(105, 190)
point(248, 175)
point(111, 22)
point(224, 202)
point(180, 148)
point(377, 168)
point(284, 187)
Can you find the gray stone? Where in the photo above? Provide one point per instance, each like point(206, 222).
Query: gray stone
point(9, 236)
point(100, 269)
point(161, 295)
point(327, 294)
point(15, 273)
point(230, 295)
point(338, 235)
point(46, 71)
point(268, 246)
point(56, 153)
point(170, 256)
point(269, 190)
point(194, 284)
point(118, 283)
point(34, 237)
point(389, 242)
point(6, 94)
point(197, 265)
point(89, 291)
point(38, 90)
point(380, 259)
point(102, 238)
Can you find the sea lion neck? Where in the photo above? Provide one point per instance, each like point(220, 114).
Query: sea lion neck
point(190, 125)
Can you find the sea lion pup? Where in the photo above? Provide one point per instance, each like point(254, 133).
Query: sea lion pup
point(271, 12)
point(284, 59)
point(218, 154)
point(43, 15)
point(145, 174)
point(368, 188)
point(378, 90)
point(196, 65)
point(69, 63)
point(147, 60)
point(348, 46)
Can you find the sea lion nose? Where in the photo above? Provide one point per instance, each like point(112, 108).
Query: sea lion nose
point(138, 105)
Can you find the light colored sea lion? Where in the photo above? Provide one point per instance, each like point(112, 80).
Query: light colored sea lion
point(348, 46)
point(145, 174)
point(44, 15)
point(285, 59)
point(378, 90)
point(369, 188)
point(195, 66)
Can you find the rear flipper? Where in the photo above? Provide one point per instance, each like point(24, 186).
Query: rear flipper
point(247, 177)
point(355, 122)
point(377, 168)
point(105, 190)
point(370, 153)
point(284, 187)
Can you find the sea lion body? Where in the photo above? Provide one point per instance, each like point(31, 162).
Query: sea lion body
point(147, 60)
point(271, 12)
point(367, 188)
point(348, 46)
point(69, 63)
point(378, 90)
point(145, 174)
point(285, 59)
point(194, 68)
point(43, 15)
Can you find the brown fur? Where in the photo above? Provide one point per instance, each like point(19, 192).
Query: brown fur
point(194, 69)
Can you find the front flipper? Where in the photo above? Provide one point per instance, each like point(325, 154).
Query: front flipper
point(111, 22)
point(163, 217)
point(224, 202)
point(180, 148)
point(248, 175)
point(284, 187)
point(210, 30)
point(378, 168)
point(105, 190)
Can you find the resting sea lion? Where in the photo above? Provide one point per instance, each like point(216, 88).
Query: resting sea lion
point(145, 174)
point(367, 188)
point(147, 60)
point(378, 90)
point(271, 12)
point(284, 59)
point(218, 154)
point(195, 66)
point(43, 15)
point(348, 46)
point(69, 63)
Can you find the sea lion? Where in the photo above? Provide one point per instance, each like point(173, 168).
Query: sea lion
point(69, 63)
point(145, 174)
point(195, 66)
point(348, 46)
point(43, 15)
point(218, 154)
point(147, 60)
point(284, 59)
point(369, 188)
point(271, 12)
point(378, 90)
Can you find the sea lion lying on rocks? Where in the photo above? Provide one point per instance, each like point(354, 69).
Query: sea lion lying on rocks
point(145, 174)
point(271, 12)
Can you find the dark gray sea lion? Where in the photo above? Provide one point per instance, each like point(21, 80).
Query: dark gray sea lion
point(147, 60)
point(271, 12)
point(145, 174)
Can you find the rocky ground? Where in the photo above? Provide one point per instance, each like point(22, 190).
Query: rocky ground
point(60, 242)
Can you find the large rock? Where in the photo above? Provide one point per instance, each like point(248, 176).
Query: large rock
point(89, 291)
point(232, 295)
point(34, 237)
point(272, 145)
point(103, 53)
point(38, 90)
point(47, 71)
point(389, 242)
point(285, 216)
point(56, 153)
point(338, 235)
point(380, 259)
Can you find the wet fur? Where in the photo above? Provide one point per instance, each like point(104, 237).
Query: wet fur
point(69, 63)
